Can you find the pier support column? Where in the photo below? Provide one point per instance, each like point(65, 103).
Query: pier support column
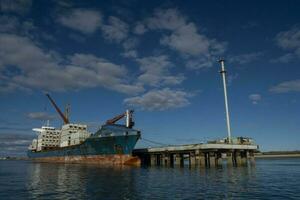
point(218, 156)
point(251, 158)
point(243, 158)
point(197, 157)
point(159, 160)
point(202, 159)
point(172, 159)
point(153, 160)
point(192, 159)
point(167, 160)
point(212, 159)
point(179, 160)
point(238, 158)
point(162, 160)
point(230, 159)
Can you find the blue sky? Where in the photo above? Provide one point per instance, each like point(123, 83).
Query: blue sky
point(157, 57)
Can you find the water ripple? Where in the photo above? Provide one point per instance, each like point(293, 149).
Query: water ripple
point(269, 179)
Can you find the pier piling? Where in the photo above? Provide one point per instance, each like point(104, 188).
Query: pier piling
point(192, 159)
point(202, 155)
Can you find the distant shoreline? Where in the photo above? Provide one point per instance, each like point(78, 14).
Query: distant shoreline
point(277, 155)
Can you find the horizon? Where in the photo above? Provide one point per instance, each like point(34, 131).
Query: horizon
point(159, 58)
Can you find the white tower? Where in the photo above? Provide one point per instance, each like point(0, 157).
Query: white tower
point(223, 72)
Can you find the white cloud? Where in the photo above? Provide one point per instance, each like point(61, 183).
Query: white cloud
point(255, 98)
point(77, 37)
point(170, 19)
point(155, 71)
point(115, 29)
point(129, 46)
point(8, 23)
point(245, 58)
point(39, 69)
point(231, 78)
point(286, 58)
point(287, 86)
point(83, 20)
point(130, 54)
point(130, 43)
point(16, 6)
point(11, 24)
point(163, 99)
point(290, 41)
point(187, 41)
point(12, 144)
point(65, 3)
point(40, 116)
point(139, 29)
point(198, 63)
point(199, 50)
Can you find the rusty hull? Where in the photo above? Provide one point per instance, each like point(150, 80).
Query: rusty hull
point(103, 160)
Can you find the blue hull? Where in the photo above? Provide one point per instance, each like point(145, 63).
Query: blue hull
point(93, 146)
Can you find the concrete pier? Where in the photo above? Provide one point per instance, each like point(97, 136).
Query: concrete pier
point(251, 158)
point(230, 160)
point(212, 159)
point(202, 160)
point(179, 159)
point(192, 159)
point(200, 155)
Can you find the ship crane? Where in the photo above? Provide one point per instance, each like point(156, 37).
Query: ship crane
point(127, 114)
point(64, 118)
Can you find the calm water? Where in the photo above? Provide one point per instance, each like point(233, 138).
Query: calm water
point(269, 179)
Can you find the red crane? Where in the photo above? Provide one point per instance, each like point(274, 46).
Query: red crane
point(64, 118)
point(127, 114)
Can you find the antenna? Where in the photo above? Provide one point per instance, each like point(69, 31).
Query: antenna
point(67, 111)
point(223, 73)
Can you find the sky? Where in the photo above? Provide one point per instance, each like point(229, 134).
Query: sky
point(159, 58)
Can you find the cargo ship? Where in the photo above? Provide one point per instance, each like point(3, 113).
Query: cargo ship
point(112, 144)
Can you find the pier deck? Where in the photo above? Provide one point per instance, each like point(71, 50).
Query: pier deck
point(206, 155)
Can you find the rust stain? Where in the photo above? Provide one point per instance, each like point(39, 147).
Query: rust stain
point(99, 160)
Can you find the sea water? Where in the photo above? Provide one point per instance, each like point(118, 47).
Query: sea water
point(269, 179)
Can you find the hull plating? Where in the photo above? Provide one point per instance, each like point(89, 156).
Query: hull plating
point(106, 150)
point(105, 160)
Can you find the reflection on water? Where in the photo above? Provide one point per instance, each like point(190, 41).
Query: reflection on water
point(269, 179)
point(81, 181)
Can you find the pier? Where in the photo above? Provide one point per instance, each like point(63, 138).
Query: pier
point(202, 155)
point(234, 151)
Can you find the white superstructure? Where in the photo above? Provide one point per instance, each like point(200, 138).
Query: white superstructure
point(48, 137)
point(72, 134)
